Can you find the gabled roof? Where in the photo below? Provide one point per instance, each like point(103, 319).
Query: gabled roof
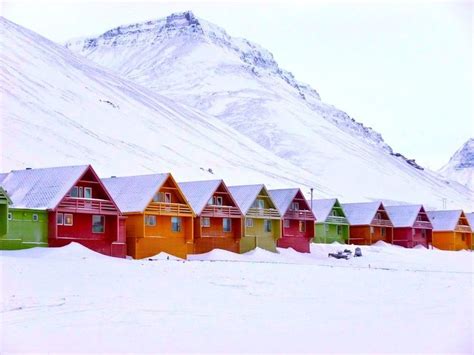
point(198, 193)
point(403, 215)
point(4, 195)
point(322, 208)
point(245, 195)
point(470, 219)
point(134, 193)
point(41, 188)
point(361, 213)
point(444, 220)
point(283, 198)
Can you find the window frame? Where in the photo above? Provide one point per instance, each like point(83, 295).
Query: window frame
point(302, 224)
point(88, 189)
point(247, 224)
point(383, 232)
point(76, 189)
point(62, 219)
point(9, 216)
point(217, 199)
point(267, 223)
point(102, 217)
point(223, 225)
point(65, 217)
point(286, 223)
point(338, 229)
point(179, 223)
point(208, 220)
point(35, 217)
point(295, 206)
point(148, 218)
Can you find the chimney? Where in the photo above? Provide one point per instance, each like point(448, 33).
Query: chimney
point(28, 169)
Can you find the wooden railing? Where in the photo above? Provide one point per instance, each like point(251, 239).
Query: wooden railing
point(263, 213)
point(221, 211)
point(381, 222)
point(423, 224)
point(302, 215)
point(171, 209)
point(463, 228)
point(214, 234)
point(337, 220)
point(87, 205)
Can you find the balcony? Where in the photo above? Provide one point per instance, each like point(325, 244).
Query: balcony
point(86, 205)
point(268, 213)
point(304, 215)
point(463, 228)
point(221, 211)
point(216, 234)
point(169, 209)
point(381, 222)
point(423, 224)
point(337, 220)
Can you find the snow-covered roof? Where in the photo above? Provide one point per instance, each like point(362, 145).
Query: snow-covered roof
point(322, 208)
point(245, 195)
point(198, 193)
point(444, 220)
point(134, 193)
point(403, 215)
point(41, 188)
point(470, 219)
point(283, 198)
point(4, 195)
point(360, 213)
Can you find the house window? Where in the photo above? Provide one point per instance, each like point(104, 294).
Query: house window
point(339, 230)
point(267, 225)
point(227, 224)
point(463, 237)
point(218, 200)
point(286, 223)
point(333, 213)
point(249, 222)
point(176, 224)
point(205, 222)
point(162, 197)
point(302, 226)
point(59, 219)
point(9, 216)
point(150, 220)
point(258, 203)
point(74, 192)
point(98, 224)
point(295, 206)
point(423, 233)
point(378, 216)
point(326, 228)
point(371, 230)
point(419, 218)
point(383, 231)
point(87, 192)
point(35, 217)
point(413, 232)
point(68, 219)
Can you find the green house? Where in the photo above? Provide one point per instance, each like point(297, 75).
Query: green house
point(20, 228)
point(262, 222)
point(331, 223)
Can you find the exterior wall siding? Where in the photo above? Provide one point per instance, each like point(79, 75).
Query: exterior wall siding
point(256, 237)
point(213, 237)
point(24, 232)
point(361, 235)
point(405, 237)
point(327, 233)
point(293, 238)
point(451, 240)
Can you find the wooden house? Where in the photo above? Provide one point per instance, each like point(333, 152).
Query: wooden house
point(218, 221)
point(159, 218)
point(331, 222)
point(411, 225)
point(262, 224)
point(57, 206)
point(4, 217)
point(451, 230)
point(297, 219)
point(369, 223)
point(470, 220)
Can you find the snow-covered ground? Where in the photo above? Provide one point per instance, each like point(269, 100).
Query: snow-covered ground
point(390, 300)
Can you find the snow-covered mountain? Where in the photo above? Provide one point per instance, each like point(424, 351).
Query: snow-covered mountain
point(59, 108)
point(197, 63)
point(460, 167)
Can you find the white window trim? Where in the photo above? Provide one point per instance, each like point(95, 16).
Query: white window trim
point(9, 216)
point(35, 215)
point(249, 222)
point(286, 223)
point(219, 201)
point(88, 189)
point(267, 222)
point(180, 224)
point(64, 219)
point(223, 225)
point(302, 224)
point(167, 197)
point(205, 225)
point(101, 216)
point(147, 220)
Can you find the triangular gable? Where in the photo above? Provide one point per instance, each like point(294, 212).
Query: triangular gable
point(41, 188)
point(245, 196)
point(470, 219)
point(323, 207)
point(95, 178)
point(404, 215)
point(362, 213)
point(445, 220)
point(284, 197)
point(4, 196)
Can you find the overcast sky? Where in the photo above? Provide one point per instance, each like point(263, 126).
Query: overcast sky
point(403, 68)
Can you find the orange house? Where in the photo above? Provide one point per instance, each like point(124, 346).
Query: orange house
point(451, 230)
point(369, 223)
point(159, 218)
point(218, 222)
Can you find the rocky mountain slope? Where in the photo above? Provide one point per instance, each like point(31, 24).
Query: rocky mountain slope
point(460, 167)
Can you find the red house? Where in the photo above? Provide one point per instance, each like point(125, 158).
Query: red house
point(78, 205)
point(298, 220)
point(411, 225)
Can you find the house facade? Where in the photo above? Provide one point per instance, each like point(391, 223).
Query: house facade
point(331, 222)
point(297, 219)
point(369, 223)
point(411, 225)
point(451, 230)
point(262, 223)
point(470, 220)
point(218, 221)
point(159, 218)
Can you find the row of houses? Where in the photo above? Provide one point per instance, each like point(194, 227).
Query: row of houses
point(141, 216)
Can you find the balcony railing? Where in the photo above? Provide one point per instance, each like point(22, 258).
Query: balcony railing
point(462, 228)
point(263, 213)
point(423, 224)
point(302, 215)
point(87, 205)
point(169, 209)
point(337, 220)
point(215, 234)
point(381, 222)
point(221, 211)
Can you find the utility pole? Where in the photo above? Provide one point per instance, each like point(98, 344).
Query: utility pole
point(311, 189)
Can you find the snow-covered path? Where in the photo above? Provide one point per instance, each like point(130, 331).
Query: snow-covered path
point(71, 299)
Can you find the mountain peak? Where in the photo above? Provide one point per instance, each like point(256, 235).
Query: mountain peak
point(464, 156)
